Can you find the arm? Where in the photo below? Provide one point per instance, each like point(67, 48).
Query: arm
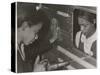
point(94, 49)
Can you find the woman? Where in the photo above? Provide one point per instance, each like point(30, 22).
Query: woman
point(32, 28)
point(86, 37)
point(32, 38)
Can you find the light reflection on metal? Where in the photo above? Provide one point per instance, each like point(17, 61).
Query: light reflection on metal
point(63, 14)
point(39, 6)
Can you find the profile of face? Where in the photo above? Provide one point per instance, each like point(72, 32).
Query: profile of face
point(84, 25)
point(29, 34)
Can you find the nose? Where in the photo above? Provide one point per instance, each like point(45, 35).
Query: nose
point(82, 28)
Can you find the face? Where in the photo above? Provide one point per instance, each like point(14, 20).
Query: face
point(84, 25)
point(30, 33)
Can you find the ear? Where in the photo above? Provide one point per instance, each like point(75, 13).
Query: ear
point(24, 25)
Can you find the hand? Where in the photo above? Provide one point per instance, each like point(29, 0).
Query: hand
point(39, 66)
point(90, 53)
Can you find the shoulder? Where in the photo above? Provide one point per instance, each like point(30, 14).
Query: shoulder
point(78, 34)
point(94, 45)
point(94, 48)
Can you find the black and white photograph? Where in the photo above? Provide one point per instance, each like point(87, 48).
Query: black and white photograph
point(53, 37)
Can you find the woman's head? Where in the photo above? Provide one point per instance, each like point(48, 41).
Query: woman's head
point(30, 22)
point(86, 21)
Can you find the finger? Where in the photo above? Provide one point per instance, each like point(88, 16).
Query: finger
point(44, 62)
point(37, 60)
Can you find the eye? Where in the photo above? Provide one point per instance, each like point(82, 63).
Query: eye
point(35, 33)
point(86, 25)
point(81, 24)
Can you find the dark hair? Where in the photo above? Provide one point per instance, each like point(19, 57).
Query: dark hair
point(44, 31)
point(33, 17)
point(87, 15)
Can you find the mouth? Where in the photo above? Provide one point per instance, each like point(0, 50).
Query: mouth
point(32, 41)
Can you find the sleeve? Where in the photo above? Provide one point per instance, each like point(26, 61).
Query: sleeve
point(77, 38)
point(94, 49)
